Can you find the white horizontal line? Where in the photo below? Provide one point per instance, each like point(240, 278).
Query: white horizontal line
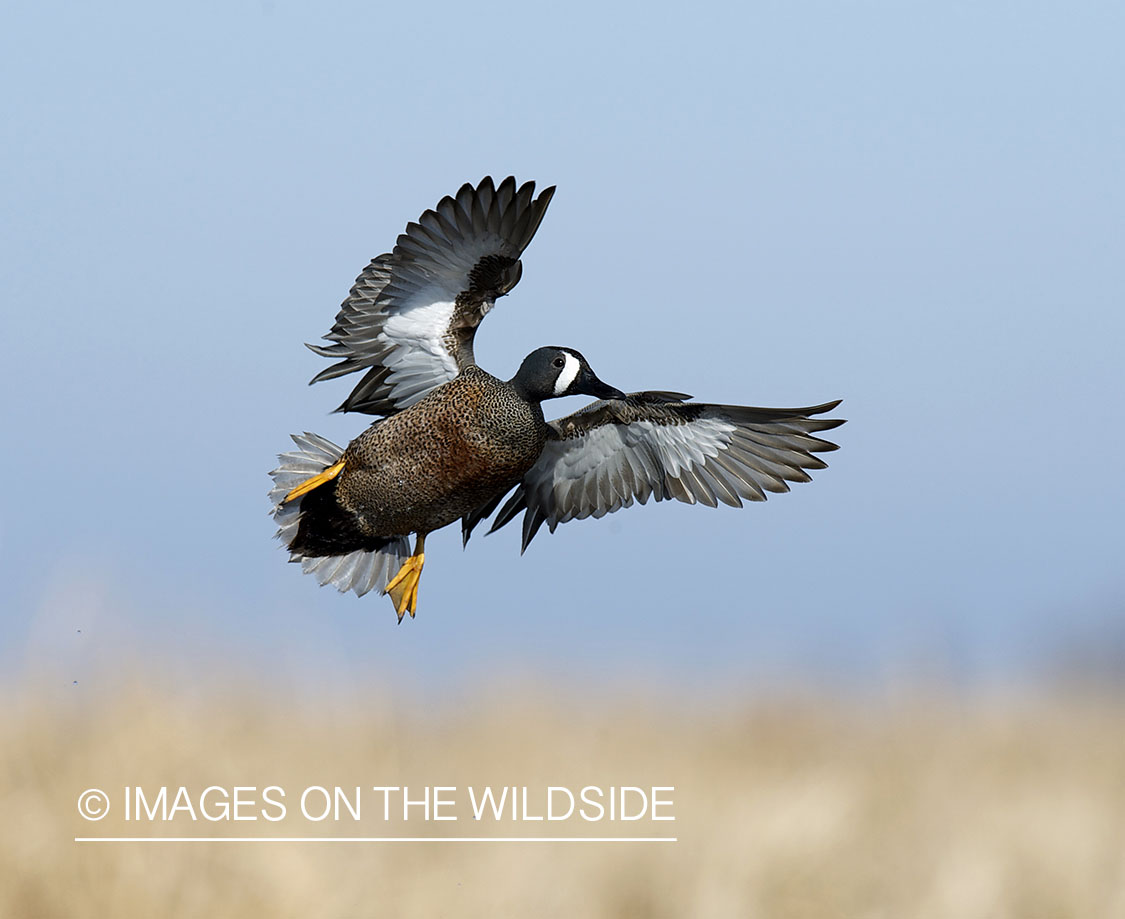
point(375, 839)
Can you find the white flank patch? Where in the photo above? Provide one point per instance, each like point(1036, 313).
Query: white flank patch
point(567, 374)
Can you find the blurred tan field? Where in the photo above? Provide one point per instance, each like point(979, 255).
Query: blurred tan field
point(790, 808)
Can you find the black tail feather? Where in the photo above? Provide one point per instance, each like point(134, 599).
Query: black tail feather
point(326, 528)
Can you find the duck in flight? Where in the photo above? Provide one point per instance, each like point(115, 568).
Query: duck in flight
point(452, 441)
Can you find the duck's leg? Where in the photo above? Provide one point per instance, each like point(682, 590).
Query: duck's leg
point(403, 587)
point(317, 480)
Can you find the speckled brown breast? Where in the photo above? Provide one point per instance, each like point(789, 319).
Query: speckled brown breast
point(440, 459)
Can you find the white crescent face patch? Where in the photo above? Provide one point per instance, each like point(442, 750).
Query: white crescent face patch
point(568, 374)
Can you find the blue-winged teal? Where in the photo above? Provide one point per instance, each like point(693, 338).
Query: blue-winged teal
point(454, 440)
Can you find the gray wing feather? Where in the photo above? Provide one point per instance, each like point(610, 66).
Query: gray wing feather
point(659, 445)
point(410, 318)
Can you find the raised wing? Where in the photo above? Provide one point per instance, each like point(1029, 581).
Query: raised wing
point(410, 319)
point(611, 453)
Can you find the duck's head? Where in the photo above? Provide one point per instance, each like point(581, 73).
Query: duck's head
point(548, 373)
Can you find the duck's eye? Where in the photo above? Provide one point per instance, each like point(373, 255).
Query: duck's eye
point(559, 362)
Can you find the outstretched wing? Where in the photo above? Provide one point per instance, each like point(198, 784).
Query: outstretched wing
point(601, 458)
point(410, 319)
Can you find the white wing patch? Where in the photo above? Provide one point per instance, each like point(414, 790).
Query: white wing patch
point(427, 322)
point(419, 358)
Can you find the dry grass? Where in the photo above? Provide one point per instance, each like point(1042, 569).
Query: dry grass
point(783, 810)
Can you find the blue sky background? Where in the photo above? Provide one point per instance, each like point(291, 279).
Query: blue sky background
point(919, 210)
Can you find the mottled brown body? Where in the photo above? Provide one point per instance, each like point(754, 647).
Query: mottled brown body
point(465, 443)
